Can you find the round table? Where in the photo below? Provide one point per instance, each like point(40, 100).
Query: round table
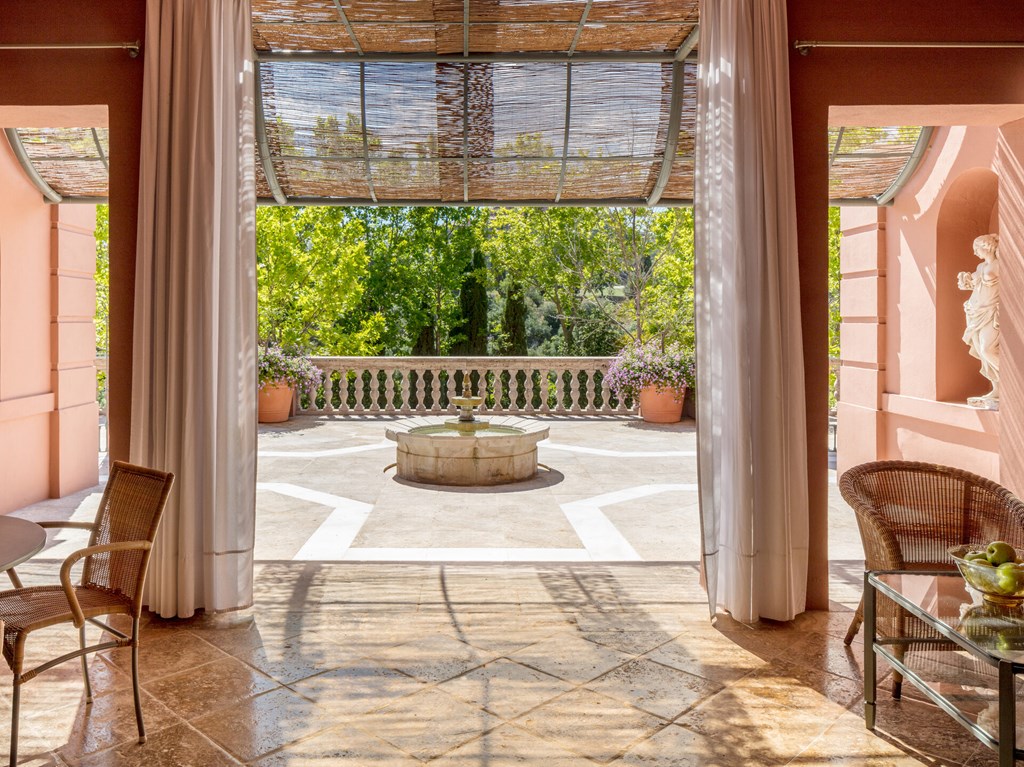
point(19, 540)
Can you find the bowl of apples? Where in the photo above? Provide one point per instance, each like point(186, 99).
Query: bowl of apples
point(994, 569)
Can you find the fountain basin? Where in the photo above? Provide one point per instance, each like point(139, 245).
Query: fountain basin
point(432, 452)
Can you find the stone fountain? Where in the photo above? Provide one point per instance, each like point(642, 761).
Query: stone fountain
point(467, 450)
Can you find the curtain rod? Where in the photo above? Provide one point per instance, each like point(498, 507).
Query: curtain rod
point(804, 46)
point(132, 48)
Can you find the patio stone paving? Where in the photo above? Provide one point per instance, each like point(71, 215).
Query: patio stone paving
point(547, 662)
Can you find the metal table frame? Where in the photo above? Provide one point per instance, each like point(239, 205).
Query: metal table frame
point(1005, 745)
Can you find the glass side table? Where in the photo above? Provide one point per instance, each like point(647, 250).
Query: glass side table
point(968, 666)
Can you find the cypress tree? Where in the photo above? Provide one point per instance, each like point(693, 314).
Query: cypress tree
point(473, 308)
point(513, 322)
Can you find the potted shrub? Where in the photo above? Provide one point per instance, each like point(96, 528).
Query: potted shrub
point(658, 376)
point(279, 375)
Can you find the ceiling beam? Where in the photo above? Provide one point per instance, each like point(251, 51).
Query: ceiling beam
point(620, 57)
point(618, 202)
point(465, 129)
point(492, 159)
point(261, 139)
point(348, 26)
point(366, 135)
point(565, 136)
point(580, 26)
point(99, 149)
point(675, 114)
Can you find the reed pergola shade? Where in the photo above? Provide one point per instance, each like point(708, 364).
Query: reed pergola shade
point(467, 102)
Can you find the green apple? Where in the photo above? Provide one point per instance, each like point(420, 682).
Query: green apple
point(999, 552)
point(1006, 578)
point(974, 556)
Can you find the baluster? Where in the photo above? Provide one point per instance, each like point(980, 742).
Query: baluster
point(559, 393)
point(360, 390)
point(531, 391)
point(576, 389)
point(559, 406)
point(389, 390)
point(591, 389)
point(449, 393)
point(375, 390)
point(405, 382)
point(421, 388)
point(495, 388)
point(513, 390)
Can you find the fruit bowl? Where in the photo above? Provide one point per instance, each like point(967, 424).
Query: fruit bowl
point(1003, 585)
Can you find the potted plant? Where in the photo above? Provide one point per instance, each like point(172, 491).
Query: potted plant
point(279, 375)
point(656, 375)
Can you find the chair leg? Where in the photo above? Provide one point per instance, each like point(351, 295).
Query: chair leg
point(15, 710)
point(858, 618)
point(85, 665)
point(897, 678)
point(135, 681)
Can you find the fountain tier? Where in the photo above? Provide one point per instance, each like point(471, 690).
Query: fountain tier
point(433, 452)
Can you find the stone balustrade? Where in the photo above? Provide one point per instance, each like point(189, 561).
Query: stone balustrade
point(422, 385)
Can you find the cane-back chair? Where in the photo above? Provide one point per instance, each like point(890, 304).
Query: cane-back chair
point(113, 574)
point(911, 513)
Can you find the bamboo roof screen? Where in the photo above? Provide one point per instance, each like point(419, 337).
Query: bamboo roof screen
point(868, 163)
point(537, 102)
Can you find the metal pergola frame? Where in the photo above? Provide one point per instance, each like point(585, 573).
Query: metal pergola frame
point(885, 198)
point(677, 58)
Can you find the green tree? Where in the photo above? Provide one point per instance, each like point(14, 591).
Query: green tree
point(554, 250)
point(512, 333)
point(472, 332)
point(834, 238)
point(309, 261)
point(102, 278)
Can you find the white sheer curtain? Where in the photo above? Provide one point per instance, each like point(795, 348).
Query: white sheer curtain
point(194, 368)
point(752, 443)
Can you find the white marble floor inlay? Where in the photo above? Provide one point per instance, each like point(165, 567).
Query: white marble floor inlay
point(601, 540)
point(618, 453)
point(326, 453)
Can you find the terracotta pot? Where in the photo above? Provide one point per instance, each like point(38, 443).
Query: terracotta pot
point(665, 406)
point(275, 402)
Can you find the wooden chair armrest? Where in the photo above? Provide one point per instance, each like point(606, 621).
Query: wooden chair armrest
point(88, 551)
point(51, 524)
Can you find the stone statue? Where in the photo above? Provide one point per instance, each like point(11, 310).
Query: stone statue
point(982, 310)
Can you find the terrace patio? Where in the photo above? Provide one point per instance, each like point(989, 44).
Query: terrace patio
point(558, 622)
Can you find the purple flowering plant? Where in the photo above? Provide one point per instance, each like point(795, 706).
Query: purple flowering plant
point(276, 366)
point(642, 365)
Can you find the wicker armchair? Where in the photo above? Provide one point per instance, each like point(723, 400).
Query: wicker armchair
point(113, 574)
point(910, 513)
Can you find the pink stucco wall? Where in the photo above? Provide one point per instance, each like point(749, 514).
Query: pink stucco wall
point(906, 373)
point(48, 415)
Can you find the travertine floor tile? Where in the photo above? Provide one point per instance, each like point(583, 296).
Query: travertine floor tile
point(660, 690)
point(257, 726)
point(162, 653)
point(756, 729)
point(178, 746)
point(341, 746)
point(110, 721)
point(210, 687)
point(357, 687)
point(590, 724)
point(434, 659)
point(508, 746)
point(675, 746)
point(570, 657)
point(506, 688)
point(428, 723)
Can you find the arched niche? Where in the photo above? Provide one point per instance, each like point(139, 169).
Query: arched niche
point(968, 210)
